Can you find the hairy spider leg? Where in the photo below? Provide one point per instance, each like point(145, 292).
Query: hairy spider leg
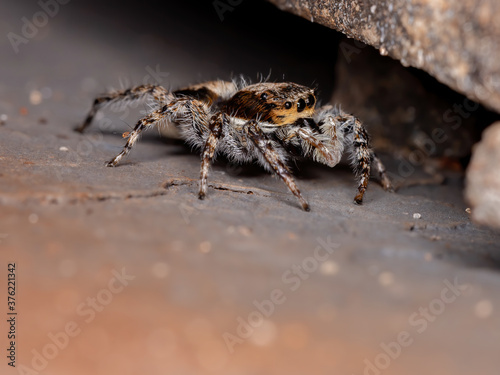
point(360, 153)
point(353, 135)
point(142, 124)
point(177, 108)
point(384, 179)
point(215, 132)
point(158, 93)
point(320, 151)
point(273, 158)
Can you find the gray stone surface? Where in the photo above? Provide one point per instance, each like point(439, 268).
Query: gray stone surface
point(483, 179)
point(200, 268)
point(458, 42)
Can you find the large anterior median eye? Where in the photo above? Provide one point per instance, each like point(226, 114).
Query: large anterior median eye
point(301, 105)
point(264, 96)
point(288, 105)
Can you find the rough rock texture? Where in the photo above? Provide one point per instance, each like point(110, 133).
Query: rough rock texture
point(455, 41)
point(483, 186)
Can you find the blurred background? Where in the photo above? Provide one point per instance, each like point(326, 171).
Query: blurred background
point(124, 271)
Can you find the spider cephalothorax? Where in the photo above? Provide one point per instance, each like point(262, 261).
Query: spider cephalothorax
point(275, 103)
point(262, 122)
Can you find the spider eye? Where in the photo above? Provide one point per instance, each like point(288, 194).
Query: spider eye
point(301, 105)
point(310, 100)
point(288, 105)
point(264, 96)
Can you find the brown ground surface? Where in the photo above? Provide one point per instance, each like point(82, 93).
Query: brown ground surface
point(197, 269)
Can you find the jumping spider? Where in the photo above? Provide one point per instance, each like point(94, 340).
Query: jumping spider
point(271, 123)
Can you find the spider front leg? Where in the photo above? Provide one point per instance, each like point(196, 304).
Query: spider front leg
point(158, 93)
point(346, 131)
point(361, 158)
point(215, 131)
point(384, 179)
point(362, 155)
point(274, 158)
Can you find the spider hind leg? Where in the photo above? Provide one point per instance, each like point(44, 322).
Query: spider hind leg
point(158, 93)
point(143, 124)
point(178, 109)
